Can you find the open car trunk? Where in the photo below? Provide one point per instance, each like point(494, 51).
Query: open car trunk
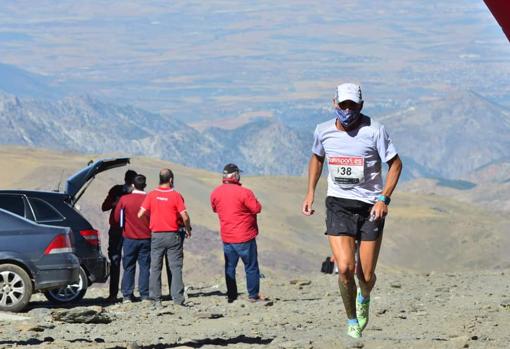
point(78, 182)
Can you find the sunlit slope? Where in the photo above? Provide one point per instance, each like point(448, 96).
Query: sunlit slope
point(423, 232)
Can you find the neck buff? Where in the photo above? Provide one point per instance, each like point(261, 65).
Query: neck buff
point(232, 180)
point(347, 117)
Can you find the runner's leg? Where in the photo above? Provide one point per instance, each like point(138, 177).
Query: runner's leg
point(368, 255)
point(343, 248)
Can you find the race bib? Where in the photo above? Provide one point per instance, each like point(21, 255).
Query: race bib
point(347, 170)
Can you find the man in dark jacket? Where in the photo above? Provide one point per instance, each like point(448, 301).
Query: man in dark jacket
point(137, 241)
point(115, 232)
point(237, 209)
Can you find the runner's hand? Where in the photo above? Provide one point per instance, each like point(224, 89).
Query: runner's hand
point(307, 206)
point(188, 233)
point(379, 210)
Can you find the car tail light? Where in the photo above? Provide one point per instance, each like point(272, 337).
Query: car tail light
point(60, 244)
point(91, 236)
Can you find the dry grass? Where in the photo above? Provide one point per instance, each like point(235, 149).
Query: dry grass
point(422, 232)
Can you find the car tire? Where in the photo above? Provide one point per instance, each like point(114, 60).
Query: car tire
point(15, 288)
point(71, 293)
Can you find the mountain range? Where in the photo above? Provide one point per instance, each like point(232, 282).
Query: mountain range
point(85, 124)
point(448, 138)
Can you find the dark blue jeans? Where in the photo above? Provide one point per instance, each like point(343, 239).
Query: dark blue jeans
point(247, 251)
point(136, 250)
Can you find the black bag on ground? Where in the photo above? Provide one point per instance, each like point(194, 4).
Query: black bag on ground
point(327, 266)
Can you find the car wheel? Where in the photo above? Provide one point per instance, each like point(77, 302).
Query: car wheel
point(15, 288)
point(71, 293)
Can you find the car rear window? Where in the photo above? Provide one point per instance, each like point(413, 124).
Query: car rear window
point(13, 203)
point(44, 212)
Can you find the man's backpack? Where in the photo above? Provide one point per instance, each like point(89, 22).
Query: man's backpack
point(328, 266)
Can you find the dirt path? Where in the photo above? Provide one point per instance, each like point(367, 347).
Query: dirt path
point(409, 310)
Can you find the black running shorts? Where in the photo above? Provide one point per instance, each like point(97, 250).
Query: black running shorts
point(351, 218)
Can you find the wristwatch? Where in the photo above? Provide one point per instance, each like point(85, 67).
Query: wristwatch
point(384, 198)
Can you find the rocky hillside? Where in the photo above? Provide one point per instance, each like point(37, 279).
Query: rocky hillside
point(453, 136)
point(422, 232)
point(447, 138)
point(85, 124)
point(442, 276)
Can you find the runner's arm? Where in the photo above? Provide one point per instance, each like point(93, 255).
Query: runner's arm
point(394, 170)
point(314, 172)
point(380, 209)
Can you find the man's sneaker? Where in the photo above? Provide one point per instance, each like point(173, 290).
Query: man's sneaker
point(354, 331)
point(362, 310)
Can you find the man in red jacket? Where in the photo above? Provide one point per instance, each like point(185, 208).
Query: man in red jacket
point(237, 209)
point(137, 241)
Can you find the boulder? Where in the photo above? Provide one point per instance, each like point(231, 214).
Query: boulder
point(82, 315)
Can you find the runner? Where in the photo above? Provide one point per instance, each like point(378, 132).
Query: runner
point(354, 147)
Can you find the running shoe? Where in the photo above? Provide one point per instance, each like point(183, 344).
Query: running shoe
point(354, 331)
point(362, 310)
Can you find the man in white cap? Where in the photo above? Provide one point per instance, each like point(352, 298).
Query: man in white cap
point(354, 147)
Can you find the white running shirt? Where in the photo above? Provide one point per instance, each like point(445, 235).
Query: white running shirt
point(354, 158)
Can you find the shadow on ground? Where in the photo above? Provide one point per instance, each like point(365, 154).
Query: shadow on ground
point(207, 294)
point(213, 341)
point(199, 343)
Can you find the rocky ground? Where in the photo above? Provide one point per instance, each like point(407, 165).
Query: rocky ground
point(409, 310)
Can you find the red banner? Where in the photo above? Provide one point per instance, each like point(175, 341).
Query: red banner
point(501, 11)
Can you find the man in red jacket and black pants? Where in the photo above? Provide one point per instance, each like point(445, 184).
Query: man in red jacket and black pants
point(137, 241)
point(237, 208)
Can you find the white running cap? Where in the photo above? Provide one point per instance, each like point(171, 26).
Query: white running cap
point(348, 91)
